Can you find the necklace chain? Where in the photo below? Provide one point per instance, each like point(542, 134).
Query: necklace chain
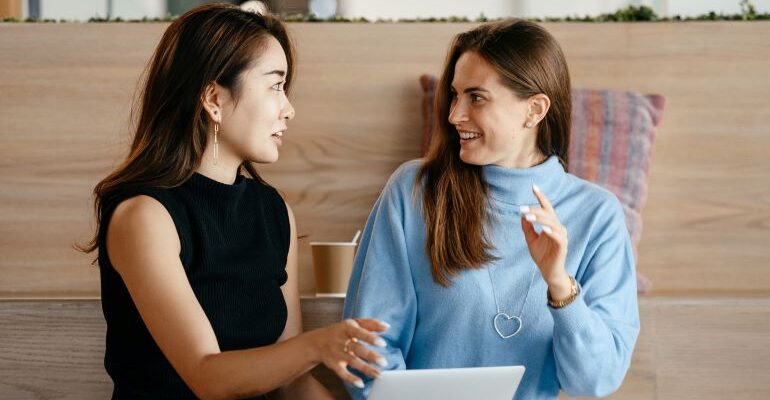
point(499, 312)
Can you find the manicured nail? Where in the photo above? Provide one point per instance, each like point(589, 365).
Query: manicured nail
point(359, 384)
point(382, 362)
point(535, 188)
point(380, 343)
point(524, 209)
point(385, 324)
point(530, 217)
point(547, 229)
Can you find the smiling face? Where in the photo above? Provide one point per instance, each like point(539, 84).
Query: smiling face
point(252, 125)
point(491, 121)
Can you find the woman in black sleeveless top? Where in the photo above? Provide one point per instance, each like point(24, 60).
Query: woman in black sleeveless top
point(198, 262)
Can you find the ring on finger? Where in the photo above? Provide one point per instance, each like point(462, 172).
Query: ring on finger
point(346, 346)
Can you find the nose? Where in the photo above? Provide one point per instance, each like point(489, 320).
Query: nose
point(288, 111)
point(457, 113)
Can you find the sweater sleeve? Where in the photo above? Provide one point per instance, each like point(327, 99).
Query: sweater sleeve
point(594, 336)
point(381, 284)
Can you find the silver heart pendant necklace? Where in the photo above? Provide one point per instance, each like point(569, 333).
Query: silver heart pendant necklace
point(502, 317)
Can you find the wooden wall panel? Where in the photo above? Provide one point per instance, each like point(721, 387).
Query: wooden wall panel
point(66, 91)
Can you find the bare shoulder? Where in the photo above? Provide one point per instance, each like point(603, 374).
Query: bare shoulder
point(141, 224)
point(141, 214)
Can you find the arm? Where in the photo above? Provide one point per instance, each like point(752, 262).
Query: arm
point(144, 248)
point(594, 335)
point(381, 284)
point(305, 386)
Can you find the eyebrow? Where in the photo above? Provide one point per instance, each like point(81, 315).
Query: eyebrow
point(472, 89)
point(278, 72)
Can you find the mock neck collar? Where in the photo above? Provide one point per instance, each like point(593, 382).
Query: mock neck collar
point(218, 188)
point(514, 185)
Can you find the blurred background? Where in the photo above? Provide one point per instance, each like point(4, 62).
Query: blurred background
point(82, 10)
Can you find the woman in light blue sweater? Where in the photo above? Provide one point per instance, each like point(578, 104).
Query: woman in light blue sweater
point(486, 252)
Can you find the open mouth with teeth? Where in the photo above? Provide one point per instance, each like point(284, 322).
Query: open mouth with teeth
point(466, 136)
point(277, 134)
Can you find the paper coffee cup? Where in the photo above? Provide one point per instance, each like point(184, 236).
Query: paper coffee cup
point(332, 265)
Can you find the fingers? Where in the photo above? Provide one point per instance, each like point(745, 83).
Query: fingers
point(529, 230)
point(547, 219)
point(542, 198)
point(347, 349)
point(342, 371)
point(543, 218)
point(372, 324)
point(354, 330)
point(366, 369)
point(356, 359)
point(367, 354)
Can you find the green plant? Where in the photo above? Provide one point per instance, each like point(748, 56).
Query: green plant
point(628, 14)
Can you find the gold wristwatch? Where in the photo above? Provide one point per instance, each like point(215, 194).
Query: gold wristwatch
point(573, 293)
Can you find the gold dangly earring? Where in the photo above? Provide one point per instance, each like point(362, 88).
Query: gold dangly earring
point(216, 143)
point(216, 138)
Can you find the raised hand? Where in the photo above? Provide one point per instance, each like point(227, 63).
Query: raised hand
point(548, 248)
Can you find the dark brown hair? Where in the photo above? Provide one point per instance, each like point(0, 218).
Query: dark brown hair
point(455, 195)
point(210, 43)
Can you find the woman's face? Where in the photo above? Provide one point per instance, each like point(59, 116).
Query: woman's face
point(252, 129)
point(490, 119)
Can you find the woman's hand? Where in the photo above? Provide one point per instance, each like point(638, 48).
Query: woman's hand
point(341, 345)
point(548, 248)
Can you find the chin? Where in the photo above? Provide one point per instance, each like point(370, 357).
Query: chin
point(264, 157)
point(469, 158)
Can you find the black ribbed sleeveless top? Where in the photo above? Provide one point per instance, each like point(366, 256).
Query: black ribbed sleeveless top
point(235, 241)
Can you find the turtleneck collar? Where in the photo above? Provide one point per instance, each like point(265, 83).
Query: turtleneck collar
point(217, 188)
point(514, 185)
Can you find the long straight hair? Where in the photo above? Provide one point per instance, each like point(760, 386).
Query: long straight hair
point(210, 43)
point(455, 195)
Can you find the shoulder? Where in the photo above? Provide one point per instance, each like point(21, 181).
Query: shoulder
point(284, 207)
point(275, 207)
point(270, 195)
point(141, 223)
point(267, 195)
point(595, 199)
point(403, 178)
point(410, 167)
point(141, 214)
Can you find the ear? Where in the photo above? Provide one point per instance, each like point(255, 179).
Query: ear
point(211, 100)
point(538, 108)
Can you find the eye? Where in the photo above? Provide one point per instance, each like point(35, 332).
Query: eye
point(476, 98)
point(279, 86)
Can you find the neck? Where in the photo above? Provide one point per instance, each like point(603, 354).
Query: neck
point(523, 160)
point(225, 170)
point(514, 185)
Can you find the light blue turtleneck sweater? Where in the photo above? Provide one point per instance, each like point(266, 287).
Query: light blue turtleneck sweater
point(584, 348)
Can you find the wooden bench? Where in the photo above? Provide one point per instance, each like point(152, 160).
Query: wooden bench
point(688, 348)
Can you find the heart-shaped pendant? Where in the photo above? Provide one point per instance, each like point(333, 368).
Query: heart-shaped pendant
point(501, 316)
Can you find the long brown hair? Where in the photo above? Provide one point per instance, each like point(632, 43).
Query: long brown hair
point(210, 43)
point(455, 195)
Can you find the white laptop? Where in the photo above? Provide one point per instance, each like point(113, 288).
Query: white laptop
point(489, 383)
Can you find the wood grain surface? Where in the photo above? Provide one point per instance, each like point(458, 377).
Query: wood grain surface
point(66, 91)
point(689, 348)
